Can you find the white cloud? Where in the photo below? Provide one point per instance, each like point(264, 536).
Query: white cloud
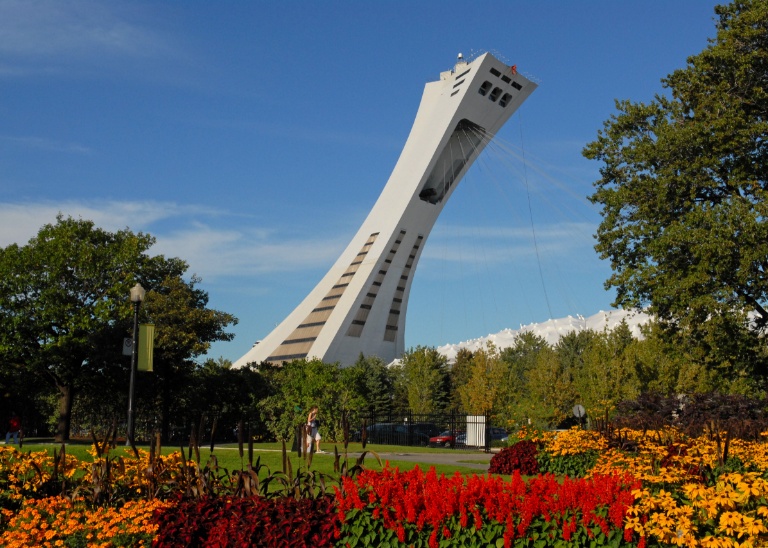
point(50, 29)
point(47, 144)
point(204, 238)
point(500, 244)
point(213, 252)
point(210, 251)
point(20, 222)
point(546, 231)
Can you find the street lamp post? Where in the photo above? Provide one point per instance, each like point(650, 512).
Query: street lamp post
point(137, 295)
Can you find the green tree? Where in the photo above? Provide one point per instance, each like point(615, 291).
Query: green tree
point(224, 396)
point(185, 328)
point(460, 373)
point(572, 346)
point(550, 391)
point(298, 385)
point(168, 397)
point(662, 368)
point(424, 380)
point(520, 358)
point(372, 382)
point(609, 373)
point(399, 389)
point(480, 395)
point(64, 310)
point(684, 197)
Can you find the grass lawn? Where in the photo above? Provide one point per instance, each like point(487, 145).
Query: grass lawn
point(270, 455)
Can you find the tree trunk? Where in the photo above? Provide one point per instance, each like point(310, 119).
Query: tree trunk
point(66, 396)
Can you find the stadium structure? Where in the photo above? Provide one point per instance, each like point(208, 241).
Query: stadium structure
point(360, 305)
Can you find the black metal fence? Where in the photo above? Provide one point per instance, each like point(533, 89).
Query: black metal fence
point(457, 431)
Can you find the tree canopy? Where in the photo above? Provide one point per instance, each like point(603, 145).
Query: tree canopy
point(684, 194)
point(423, 379)
point(64, 309)
point(480, 394)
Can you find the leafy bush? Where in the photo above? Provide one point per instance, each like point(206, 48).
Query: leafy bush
point(246, 522)
point(520, 457)
point(574, 466)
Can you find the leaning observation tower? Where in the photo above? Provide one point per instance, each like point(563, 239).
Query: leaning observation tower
point(360, 304)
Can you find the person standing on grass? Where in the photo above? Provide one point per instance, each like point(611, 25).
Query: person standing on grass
point(14, 427)
point(314, 423)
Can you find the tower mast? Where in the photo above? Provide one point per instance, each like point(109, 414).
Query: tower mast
point(360, 304)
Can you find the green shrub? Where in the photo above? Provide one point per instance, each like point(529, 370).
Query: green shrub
point(574, 466)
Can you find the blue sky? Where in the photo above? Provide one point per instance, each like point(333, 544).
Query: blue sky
point(252, 138)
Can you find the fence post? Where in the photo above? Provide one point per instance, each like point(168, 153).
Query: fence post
point(487, 434)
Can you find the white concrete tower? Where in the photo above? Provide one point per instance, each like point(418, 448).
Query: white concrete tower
point(360, 304)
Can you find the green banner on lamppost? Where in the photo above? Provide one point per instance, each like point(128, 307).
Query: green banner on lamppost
point(146, 346)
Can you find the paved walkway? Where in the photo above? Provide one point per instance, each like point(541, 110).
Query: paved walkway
point(467, 459)
point(477, 460)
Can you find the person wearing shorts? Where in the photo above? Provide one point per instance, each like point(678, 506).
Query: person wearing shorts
point(313, 424)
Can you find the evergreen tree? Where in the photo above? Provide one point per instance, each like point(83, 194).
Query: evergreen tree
point(373, 382)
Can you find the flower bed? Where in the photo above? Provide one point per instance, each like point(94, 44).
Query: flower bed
point(56, 521)
point(247, 522)
point(417, 509)
point(657, 488)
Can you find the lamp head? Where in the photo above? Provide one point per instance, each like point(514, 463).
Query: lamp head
point(137, 293)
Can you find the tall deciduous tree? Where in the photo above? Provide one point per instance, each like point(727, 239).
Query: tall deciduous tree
point(185, 328)
point(684, 195)
point(224, 396)
point(550, 391)
point(460, 373)
point(662, 369)
point(64, 308)
point(298, 385)
point(520, 359)
point(480, 395)
point(425, 380)
point(608, 374)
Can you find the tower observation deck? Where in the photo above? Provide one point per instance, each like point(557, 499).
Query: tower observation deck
point(360, 304)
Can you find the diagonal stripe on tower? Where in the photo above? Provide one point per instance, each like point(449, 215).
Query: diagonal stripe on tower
point(360, 304)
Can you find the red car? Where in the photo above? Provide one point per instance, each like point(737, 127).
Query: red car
point(445, 439)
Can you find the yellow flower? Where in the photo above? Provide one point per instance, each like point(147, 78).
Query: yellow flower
point(729, 521)
point(752, 526)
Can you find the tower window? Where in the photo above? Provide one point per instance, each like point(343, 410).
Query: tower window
point(485, 88)
point(495, 72)
point(495, 94)
point(463, 73)
point(505, 99)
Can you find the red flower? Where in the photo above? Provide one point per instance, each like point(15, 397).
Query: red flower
point(429, 501)
point(400, 532)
